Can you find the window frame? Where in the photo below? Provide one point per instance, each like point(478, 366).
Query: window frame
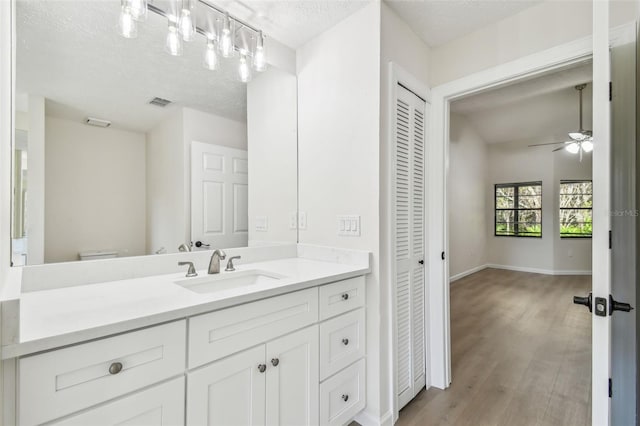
point(575, 236)
point(515, 209)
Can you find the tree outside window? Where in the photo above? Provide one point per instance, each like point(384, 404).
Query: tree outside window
point(576, 208)
point(518, 209)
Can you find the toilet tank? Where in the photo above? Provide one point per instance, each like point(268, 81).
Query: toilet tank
point(98, 254)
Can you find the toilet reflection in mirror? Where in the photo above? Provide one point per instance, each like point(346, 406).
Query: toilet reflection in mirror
point(124, 150)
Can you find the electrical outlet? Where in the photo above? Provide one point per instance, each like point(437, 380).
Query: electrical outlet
point(293, 220)
point(262, 223)
point(302, 220)
point(349, 225)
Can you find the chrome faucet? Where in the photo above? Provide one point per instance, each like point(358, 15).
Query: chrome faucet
point(214, 264)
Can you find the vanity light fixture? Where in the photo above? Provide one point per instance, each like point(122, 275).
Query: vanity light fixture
point(225, 34)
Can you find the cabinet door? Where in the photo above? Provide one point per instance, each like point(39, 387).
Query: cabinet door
point(292, 379)
point(161, 405)
point(229, 392)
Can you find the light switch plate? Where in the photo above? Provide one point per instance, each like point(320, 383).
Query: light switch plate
point(262, 223)
point(348, 225)
point(302, 220)
point(293, 220)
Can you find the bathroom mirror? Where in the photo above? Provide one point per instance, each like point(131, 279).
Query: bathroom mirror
point(187, 154)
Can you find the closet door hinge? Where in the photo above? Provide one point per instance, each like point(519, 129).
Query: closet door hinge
point(610, 387)
point(610, 240)
point(610, 91)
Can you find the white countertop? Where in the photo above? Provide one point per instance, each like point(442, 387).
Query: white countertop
point(64, 316)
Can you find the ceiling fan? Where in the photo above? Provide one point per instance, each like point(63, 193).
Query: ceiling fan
point(582, 140)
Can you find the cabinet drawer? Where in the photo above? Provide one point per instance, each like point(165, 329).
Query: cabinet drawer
point(343, 396)
point(161, 405)
point(342, 342)
point(54, 384)
point(341, 297)
point(222, 333)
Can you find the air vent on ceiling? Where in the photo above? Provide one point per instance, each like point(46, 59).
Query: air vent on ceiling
point(159, 102)
point(91, 121)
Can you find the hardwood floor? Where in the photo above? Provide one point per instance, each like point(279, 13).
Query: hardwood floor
point(521, 354)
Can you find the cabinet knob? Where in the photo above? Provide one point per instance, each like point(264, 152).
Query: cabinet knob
point(345, 397)
point(262, 368)
point(275, 362)
point(345, 296)
point(115, 368)
point(345, 342)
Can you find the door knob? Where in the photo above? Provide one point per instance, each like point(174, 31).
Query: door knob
point(585, 301)
point(275, 362)
point(614, 305)
point(201, 244)
point(115, 368)
point(262, 368)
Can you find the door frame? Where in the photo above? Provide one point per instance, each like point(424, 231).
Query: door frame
point(398, 75)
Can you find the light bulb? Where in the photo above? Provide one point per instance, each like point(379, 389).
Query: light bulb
point(187, 24)
point(139, 10)
point(577, 136)
point(244, 71)
point(226, 39)
point(259, 57)
point(126, 24)
point(587, 146)
point(211, 56)
point(573, 148)
point(173, 44)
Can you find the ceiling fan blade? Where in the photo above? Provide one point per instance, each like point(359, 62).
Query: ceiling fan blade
point(558, 149)
point(550, 143)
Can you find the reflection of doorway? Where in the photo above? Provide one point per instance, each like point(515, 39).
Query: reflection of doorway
point(219, 196)
point(20, 213)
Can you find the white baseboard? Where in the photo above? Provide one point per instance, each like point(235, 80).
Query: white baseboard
point(368, 419)
point(538, 271)
point(456, 277)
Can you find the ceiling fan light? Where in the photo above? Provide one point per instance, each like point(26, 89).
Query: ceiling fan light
point(573, 148)
point(577, 136)
point(587, 146)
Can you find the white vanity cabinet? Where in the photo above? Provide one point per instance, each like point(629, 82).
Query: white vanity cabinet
point(293, 359)
point(271, 384)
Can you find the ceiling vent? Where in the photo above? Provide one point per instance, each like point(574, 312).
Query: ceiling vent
point(97, 122)
point(159, 102)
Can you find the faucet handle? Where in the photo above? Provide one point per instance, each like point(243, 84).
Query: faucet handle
point(230, 266)
point(191, 272)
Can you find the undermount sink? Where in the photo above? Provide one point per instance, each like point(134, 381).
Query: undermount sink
point(228, 280)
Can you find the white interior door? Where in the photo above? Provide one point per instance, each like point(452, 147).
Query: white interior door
point(219, 195)
point(409, 245)
point(601, 326)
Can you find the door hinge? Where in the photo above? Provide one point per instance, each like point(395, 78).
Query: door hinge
point(610, 387)
point(442, 255)
point(610, 240)
point(610, 91)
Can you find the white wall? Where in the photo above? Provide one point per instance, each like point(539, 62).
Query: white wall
point(272, 123)
point(35, 203)
point(535, 29)
point(165, 186)
point(516, 162)
point(95, 190)
point(400, 45)
point(468, 213)
point(338, 143)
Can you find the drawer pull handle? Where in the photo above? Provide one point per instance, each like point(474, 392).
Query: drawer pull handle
point(345, 296)
point(115, 368)
point(275, 362)
point(345, 342)
point(262, 368)
point(345, 397)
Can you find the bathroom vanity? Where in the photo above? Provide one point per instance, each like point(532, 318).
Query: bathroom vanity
point(278, 341)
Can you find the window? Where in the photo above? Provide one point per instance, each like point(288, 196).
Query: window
point(518, 209)
point(576, 208)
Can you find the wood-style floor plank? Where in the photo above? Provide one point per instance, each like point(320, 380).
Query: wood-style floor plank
point(521, 354)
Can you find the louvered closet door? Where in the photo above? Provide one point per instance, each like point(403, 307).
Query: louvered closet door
point(409, 244)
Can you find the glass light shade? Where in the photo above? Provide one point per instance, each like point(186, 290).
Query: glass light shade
point(227, 38)
point(173, 45)
point(587, 146)
point(573, 148)
point(577, 136)
point(139, 10)
point(127, 26)
point(244, 71)
point(211, 61)
point(259, 55)
point(187, 22)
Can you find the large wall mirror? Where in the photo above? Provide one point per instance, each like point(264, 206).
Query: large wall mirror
point(189, 154)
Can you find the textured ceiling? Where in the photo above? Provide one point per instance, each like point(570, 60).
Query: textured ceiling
point(543, 109)
point(440, 21)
